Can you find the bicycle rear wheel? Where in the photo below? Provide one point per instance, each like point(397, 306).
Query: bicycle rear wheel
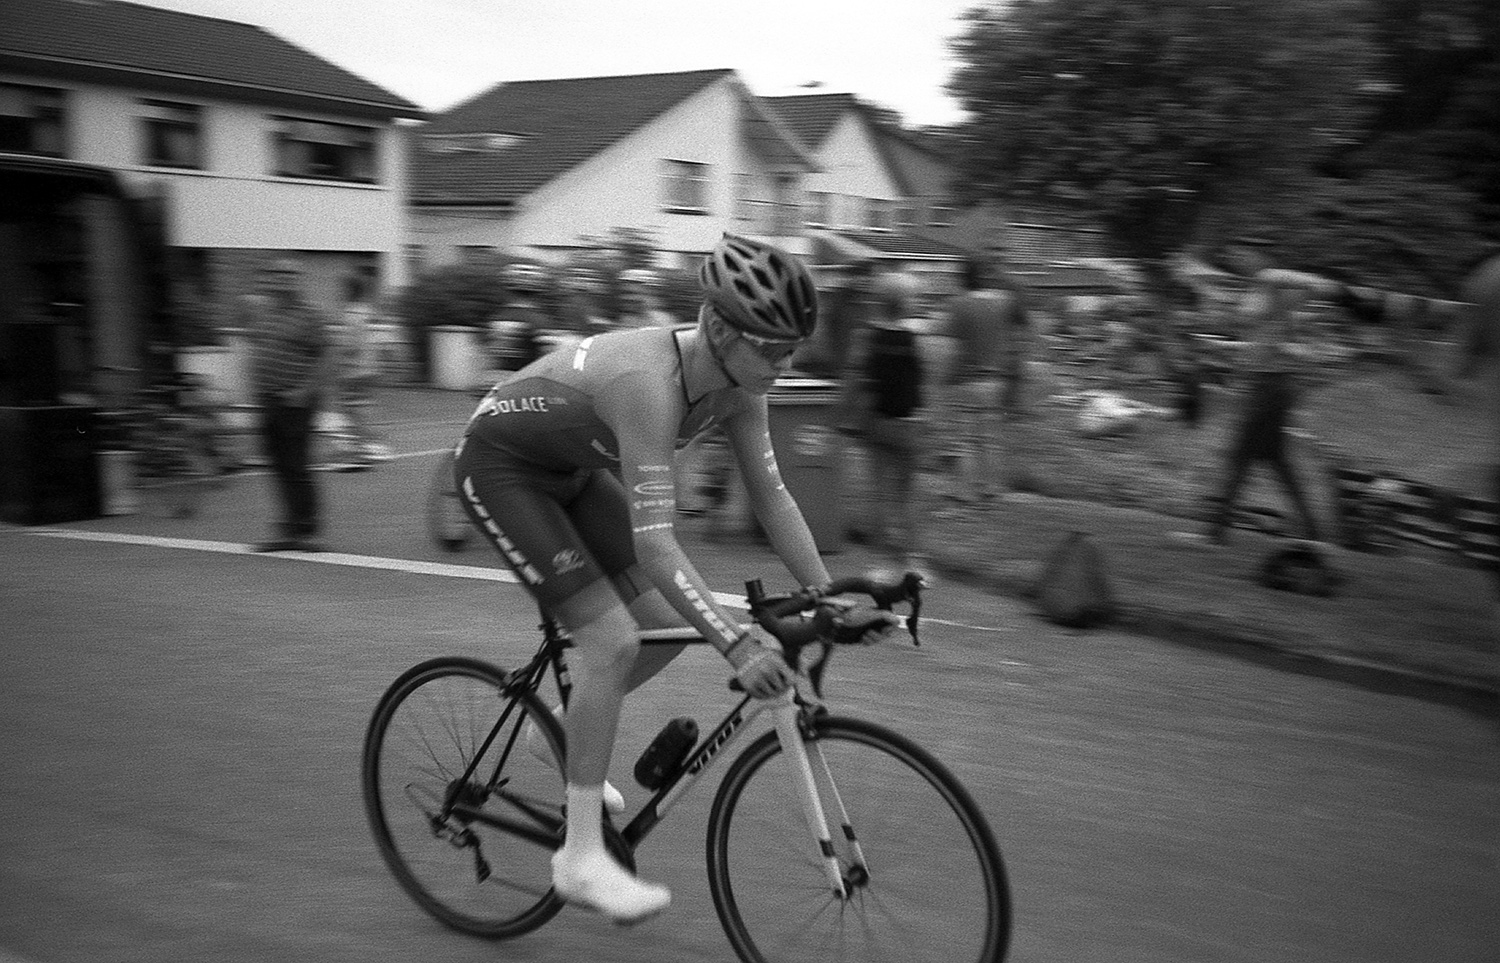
point(447, 522)
point(473, 851)
point(926, 881)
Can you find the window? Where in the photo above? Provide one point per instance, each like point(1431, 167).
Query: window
point(32, 120)
point(330, 152)
point(879, 214)
point(940, 216)
point(744, 204)
point(172, 134)
point(819, 207)
point(907, 215)
point(416, 259)
point(686, 187)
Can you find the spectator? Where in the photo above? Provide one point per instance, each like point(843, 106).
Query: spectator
point(516, 330)
point(1270, 387)
point(987, 322)
point(842, 315)
point(891, 375)
point(291, 358)
point(1184, 370)
point(581, 315)
point(357, 369)
point(640, 300)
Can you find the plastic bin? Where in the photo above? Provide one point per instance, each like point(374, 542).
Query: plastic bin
point(810, 453)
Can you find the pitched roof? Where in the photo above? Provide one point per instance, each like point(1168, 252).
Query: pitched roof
point(812, 117)
point(544, 128)
point(129, 44)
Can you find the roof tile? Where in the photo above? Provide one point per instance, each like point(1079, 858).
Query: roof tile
point(52, 36)
point(559, 124)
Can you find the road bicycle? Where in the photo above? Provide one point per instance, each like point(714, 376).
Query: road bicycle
point(829, 837)
point(448, 524)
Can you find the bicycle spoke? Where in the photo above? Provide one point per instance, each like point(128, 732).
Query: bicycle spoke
point(934, 887)
point(468, 838)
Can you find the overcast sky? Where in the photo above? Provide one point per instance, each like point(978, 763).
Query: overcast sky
point(439, 52)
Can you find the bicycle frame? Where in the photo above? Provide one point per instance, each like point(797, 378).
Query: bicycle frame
point(789, 711)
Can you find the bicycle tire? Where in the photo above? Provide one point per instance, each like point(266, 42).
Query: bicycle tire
point(424, 732)
point(448, 523)
point(769, 886)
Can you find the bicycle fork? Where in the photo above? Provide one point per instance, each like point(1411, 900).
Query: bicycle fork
point(804, 755)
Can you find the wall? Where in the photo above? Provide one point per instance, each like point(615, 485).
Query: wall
point(852, 170)
point(622, 186)
point(234, 202)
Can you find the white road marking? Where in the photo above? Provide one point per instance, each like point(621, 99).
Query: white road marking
point(410, 566)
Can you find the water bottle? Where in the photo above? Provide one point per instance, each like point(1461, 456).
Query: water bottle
point(666, 753)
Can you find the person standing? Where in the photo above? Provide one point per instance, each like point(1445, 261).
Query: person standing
point(515, 331)
point(580, 315)
point(987, 325)
point(892, 378)
point(357, 370)
point(1270, 388)
point(640, 302)
point(291, 361)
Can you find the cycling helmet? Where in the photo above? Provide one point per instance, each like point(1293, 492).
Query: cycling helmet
point(523, 277)
point(760, 290)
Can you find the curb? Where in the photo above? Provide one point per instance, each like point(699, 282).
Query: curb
point(1481, 697)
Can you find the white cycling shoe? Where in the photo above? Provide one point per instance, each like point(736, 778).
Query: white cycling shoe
point(595, 881)
point(614, 801)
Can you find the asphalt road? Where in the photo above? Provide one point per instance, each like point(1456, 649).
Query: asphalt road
point(181, 730)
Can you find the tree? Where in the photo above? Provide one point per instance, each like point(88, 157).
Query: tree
point(1152, 115)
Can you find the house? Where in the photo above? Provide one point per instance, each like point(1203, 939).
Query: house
point(887, 194)
point(877, 194)
point(551, 166)
point(247, 143)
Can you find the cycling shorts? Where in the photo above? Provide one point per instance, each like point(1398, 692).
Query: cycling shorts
point(558, 531)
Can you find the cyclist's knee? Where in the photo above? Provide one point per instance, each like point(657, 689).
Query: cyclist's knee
point(646, 604)
point(600, 624)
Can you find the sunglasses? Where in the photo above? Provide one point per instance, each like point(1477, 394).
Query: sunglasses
point(774, 352)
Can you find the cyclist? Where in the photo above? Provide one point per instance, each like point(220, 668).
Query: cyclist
point(537, 468)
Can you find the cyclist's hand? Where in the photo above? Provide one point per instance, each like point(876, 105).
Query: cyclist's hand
point(764, 674)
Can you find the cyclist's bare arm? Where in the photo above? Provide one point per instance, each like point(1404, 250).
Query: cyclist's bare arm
point(750, 440)
point(644, 412)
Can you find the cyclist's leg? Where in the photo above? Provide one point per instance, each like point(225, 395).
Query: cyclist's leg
point(601, 511)
point(543, 546)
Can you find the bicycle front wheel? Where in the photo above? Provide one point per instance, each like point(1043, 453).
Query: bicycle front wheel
point(447, 522)
point(464, 812)
point(923, 876)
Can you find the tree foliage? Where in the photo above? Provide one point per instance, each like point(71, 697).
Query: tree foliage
point(465, 293)
point(1174, 123)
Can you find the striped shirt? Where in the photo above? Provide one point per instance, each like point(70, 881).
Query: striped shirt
point(287, 342)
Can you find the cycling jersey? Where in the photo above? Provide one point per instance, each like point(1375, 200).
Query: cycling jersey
point(568, 467)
